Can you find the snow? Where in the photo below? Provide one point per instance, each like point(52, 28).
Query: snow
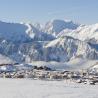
point(65, 48)
point(5, 60)
point(74, 64)
point(54, 27)
point(85, 31)
point(96, 66)
point(36, 44)
point(23, 88)
point(80, 63)
point(29, 28)
point(14, 32)
point(52, 64)
point(3, 68)
point(53, 43)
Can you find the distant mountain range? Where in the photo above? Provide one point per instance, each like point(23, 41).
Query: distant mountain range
point(57, 40)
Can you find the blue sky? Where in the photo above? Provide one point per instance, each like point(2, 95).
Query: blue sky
point(82, 11)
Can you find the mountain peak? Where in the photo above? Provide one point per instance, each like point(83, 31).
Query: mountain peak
point(54, 27)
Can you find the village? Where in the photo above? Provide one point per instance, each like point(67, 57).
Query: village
point(45, 73)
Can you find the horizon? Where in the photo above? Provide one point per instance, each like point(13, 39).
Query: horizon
point(33, 11)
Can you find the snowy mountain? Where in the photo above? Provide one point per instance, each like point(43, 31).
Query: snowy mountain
point(58, 41)
point(21, 32)
point(36, 34)
point(13, 32)
point(16, 36)
point(54, 27)
point(67, 48)
point(83, 32)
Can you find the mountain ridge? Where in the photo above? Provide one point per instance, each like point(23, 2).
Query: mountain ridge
point(58, 40)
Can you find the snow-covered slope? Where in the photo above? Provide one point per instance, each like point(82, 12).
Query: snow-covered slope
point(67, 48)
point(5, 60)
point(83, 32)
point(80, 63)
point(61, 49)
point(36, 34)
